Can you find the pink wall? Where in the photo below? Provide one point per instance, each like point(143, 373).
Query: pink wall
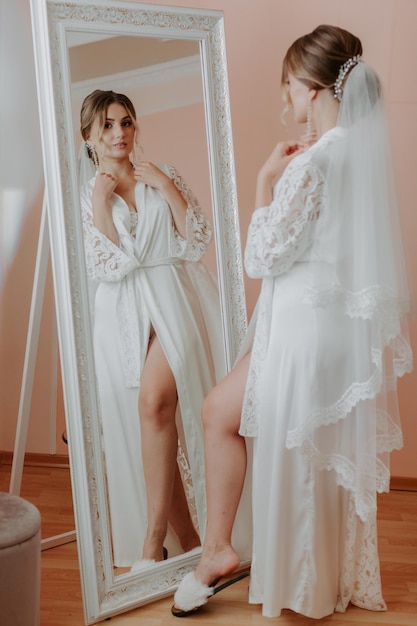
point(257, 33)
point(46, 410)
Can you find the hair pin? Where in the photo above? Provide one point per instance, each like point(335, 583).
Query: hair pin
point(344, 69)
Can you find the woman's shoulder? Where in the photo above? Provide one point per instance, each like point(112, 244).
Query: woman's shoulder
point(167, 168)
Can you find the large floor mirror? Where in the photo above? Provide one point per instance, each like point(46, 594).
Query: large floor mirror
point(171, 63)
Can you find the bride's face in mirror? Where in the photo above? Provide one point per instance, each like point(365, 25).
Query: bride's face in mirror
point(115, 139)
point(155, 316)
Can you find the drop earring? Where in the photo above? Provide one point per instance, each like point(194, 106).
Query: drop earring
point(92, 153)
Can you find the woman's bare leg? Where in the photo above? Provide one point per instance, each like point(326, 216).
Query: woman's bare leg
point(180, 516)
point(157, 407)
point(225, 456)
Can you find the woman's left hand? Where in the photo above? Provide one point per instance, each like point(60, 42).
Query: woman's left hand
point(150, 174)
point(273, 167)
point(279, 158)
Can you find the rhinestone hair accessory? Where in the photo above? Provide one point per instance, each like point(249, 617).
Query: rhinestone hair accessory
point(92, 153)
point(344, 69)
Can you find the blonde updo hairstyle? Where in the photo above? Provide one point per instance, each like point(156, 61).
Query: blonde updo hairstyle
point(316, 58)
point(95, 106)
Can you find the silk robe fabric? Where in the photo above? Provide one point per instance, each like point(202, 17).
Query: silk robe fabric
point(153, 279)
point(312, 553)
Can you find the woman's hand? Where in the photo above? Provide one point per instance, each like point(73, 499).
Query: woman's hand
point(273, 167)
point(150, 174)
point(279, 158)
point(104, 186)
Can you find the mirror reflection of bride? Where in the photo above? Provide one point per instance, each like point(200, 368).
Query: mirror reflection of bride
point(157, 337)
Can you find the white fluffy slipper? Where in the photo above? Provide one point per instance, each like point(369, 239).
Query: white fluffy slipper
point(191, 593)
point(142, 564)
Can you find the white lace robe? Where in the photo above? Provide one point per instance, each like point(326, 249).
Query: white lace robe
point(153, 278)
point(312, 553)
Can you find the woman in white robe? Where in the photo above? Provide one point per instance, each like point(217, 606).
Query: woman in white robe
point(153, 296)
point(316, 384)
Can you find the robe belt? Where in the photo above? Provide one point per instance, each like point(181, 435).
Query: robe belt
point(132, 327)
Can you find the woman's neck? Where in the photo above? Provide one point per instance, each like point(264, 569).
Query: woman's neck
point(325, 112)
point(119, 169)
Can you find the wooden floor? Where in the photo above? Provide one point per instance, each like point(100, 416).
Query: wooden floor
point(61, 602)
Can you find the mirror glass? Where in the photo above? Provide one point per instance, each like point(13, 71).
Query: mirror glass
point(162, 76)
point(171, 64)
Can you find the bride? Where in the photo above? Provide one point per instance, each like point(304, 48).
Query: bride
point(157, 337)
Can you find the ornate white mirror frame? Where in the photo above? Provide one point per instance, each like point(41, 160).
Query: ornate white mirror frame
point(104, 593)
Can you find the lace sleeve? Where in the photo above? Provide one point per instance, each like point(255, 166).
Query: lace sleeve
point(280, 233)
point(104, 260)
point(198, 228)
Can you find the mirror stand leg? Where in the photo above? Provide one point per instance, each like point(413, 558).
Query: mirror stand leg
point(35, 316)
point(38, 292)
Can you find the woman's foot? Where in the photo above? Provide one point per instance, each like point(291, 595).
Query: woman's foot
point(154, 549)
point(197, 587)
point(145, 563)
point(216, 563)
point(191, 595)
